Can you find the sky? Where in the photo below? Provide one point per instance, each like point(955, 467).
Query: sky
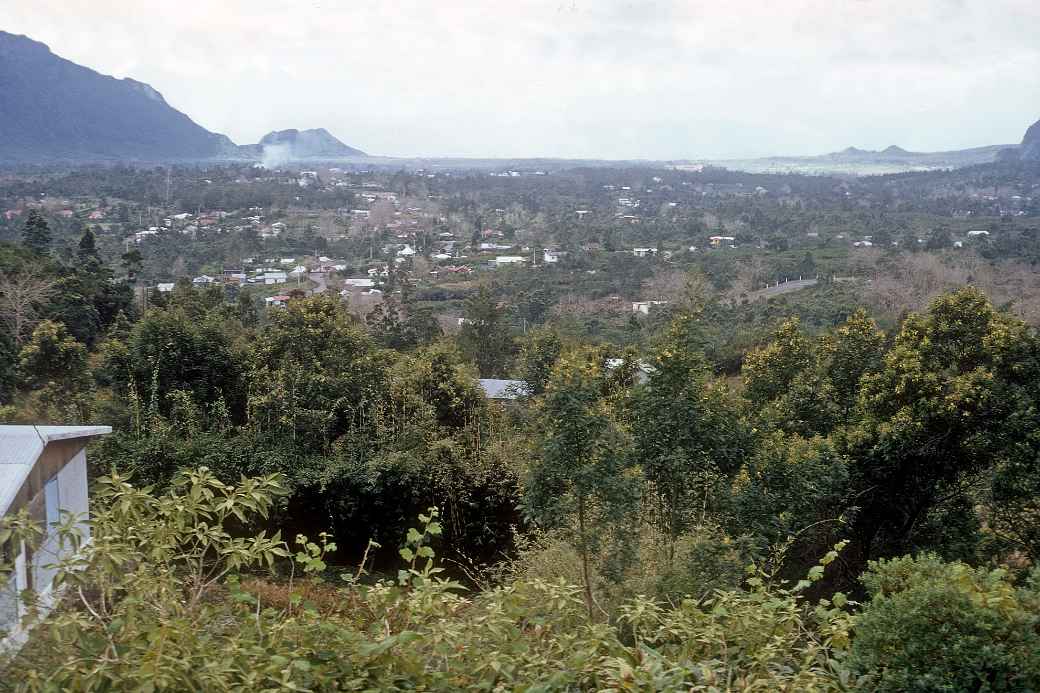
point(652, 79)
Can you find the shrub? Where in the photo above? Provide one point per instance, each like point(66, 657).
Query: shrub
point(935, 626)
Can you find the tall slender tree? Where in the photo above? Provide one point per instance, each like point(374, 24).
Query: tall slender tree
point(36, 234)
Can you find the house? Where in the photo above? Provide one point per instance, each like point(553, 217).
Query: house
point(43, 470)
point(359, 283)
point(287, 261)
point(203, 280)
point(719, 241)
point(644, 252)
point(276, 301)
point(974, 234)
point(164, 287)
point(643, 370)
point(550, 257)
point(495, 388)
point(273, 277)
point(508, 260)
point(406, 251)
point(645, 306)
point(863, 244)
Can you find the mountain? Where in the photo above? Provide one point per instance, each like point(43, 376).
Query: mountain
point(855, 161)
point(55, 109)
point(307, 144)
point(1029, 150)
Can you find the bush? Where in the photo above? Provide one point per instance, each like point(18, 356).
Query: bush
point(156, 604)
point(935, 626)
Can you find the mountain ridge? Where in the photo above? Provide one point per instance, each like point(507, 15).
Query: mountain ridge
point(1029, 150)
point(57, 110)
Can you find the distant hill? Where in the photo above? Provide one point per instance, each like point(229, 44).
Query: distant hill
point(1029, 150)
point(306, 144)
point(55, 109)
point(851, 160)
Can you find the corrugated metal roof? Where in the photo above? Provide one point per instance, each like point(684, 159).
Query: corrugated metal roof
point(21, 446)
point(495, 388)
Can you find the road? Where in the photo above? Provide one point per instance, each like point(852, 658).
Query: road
point(786, 287)
point(321, 279)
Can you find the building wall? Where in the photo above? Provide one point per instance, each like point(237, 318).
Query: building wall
point(66, 492)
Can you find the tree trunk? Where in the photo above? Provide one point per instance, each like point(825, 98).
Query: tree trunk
point(584, 554)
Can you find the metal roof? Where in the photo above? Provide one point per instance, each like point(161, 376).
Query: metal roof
point(21, 446)
point(495, 388)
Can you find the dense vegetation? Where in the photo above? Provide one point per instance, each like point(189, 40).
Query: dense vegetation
point(831, 489)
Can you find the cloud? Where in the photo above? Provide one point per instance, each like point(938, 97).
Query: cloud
point(646, 78)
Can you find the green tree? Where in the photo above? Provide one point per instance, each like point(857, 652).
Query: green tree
point(36, 234)
point(313, 374)
point(688, 436)
point(955, 398)
point(87, 249)
point(579, 481)
point(539, 350)
point(52, 355)
point(484, 337)
point(853, 350)
point(133, 261)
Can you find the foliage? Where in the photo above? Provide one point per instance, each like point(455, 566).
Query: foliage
point(934, 626)
point(157, 624)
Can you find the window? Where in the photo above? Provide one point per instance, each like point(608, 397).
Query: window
point(51, 501)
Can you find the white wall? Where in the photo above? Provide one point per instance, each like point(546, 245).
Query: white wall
point(72, 498)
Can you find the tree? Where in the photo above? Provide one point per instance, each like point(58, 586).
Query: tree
point(688, 436)
point(539, 350)
point(313, 374)
point(579, 480)
point(36, 234)
point(52, 355)
point(22, 297)
point(768, 372)
point(132, 263)
point(850, 352)
point(956, 397)
point(87, 249)
point(484, 337)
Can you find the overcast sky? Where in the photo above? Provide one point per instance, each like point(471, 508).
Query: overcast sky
point(573, 78)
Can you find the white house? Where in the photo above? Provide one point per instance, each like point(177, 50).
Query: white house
point(550, 256)
point(276, 301)
point(273, 277)
point(645, 306)
point(719, 241)
point(643, 252)
point(43, 469)
point(509, 260)
point(972, 234)
point(164, 287)
point(203, 280)
point(359, 283)
point(406, 251)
